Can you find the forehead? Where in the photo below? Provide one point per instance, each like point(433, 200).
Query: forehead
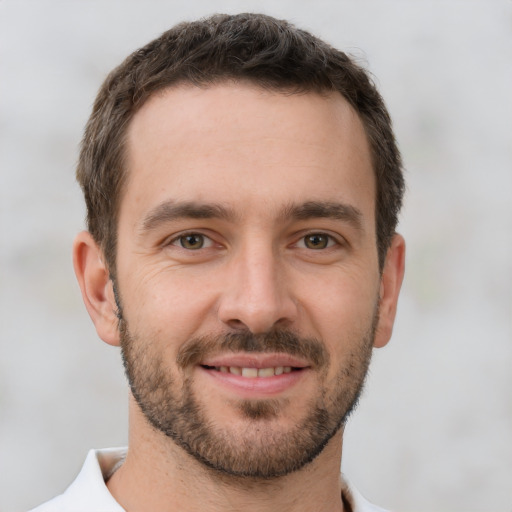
point(241, 144)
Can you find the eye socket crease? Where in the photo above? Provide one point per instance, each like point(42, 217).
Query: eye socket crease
point(188, 240)
point(317, 240)
point(191, 241)
point(194, 241)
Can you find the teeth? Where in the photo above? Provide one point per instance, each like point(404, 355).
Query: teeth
point(249, 372)
point(265, 372)
point(252, 373)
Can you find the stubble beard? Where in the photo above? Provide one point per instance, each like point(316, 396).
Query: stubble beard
point(260, 450)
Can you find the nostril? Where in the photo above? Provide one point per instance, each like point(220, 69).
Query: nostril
point(237, 325)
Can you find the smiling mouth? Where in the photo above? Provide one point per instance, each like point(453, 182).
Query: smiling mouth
point(252, 373)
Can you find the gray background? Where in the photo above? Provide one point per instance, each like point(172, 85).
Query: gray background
point(434, 429)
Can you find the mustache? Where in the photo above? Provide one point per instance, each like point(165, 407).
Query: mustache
point(197, 349)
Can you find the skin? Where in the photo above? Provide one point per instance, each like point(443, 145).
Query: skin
point(258, 154)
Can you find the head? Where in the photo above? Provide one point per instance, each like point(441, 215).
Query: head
point(253, 48)
point(242, 185)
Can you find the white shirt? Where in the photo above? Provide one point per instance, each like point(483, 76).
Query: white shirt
point(88, 493)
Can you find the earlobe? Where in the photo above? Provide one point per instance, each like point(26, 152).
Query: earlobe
point(97, 289)
point(391, 282)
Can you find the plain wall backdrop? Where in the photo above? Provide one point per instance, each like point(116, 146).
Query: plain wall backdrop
point(434, 429)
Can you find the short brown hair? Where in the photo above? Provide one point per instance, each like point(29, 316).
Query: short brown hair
point(268, 52)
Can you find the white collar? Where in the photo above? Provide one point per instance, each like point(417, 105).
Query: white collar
point(89, 493)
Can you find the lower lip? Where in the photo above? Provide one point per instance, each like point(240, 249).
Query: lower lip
point(256, 386)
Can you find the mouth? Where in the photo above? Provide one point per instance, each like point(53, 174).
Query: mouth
point(255, 375)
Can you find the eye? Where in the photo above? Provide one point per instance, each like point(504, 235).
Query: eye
point(316, 241)
point(192, 241)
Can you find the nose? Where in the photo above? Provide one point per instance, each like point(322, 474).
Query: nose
point(256, 295)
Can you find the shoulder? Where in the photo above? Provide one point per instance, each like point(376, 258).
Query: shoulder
point(356, 501)
point(89, 493)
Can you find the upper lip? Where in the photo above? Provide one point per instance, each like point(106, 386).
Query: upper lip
point(256, 360)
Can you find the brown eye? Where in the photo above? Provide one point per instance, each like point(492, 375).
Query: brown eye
point(316, 241)
point(191, 241)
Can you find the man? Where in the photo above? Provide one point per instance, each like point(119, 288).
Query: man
point(242, 185)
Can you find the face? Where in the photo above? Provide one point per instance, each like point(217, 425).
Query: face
point(247, 272)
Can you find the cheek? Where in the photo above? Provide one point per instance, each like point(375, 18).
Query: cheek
point(342, 314)
point(165, 304)
point(341, 302)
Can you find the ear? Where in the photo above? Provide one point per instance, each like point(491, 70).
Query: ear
point(97, 288)
point(390, 284)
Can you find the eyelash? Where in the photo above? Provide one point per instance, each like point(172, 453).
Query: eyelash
point(331, 241)
point(178, 240)
point(207, 242)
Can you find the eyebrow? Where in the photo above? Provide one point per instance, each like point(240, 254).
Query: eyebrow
point(326, 210)
point(173, 210)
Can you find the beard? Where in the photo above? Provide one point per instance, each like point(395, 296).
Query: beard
point(259, 449)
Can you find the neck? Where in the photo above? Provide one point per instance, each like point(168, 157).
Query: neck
point(158, 475)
